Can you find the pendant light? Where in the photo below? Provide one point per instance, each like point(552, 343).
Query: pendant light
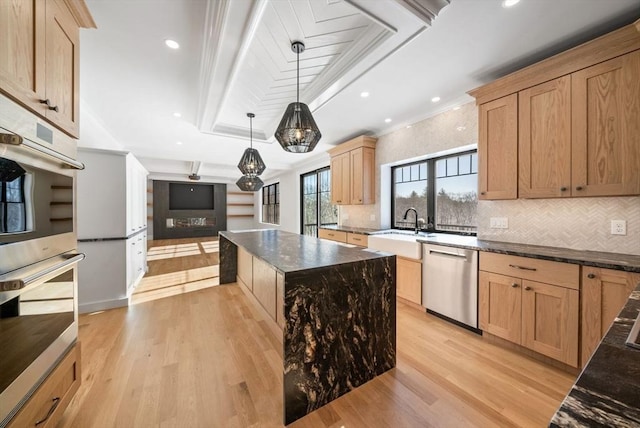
point(298, 132)
point(249, 183)
point(251, 164)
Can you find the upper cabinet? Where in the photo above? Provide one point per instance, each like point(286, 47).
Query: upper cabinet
point(39, 57)
point(498, 149)
point(353, 172)
point(568, 126)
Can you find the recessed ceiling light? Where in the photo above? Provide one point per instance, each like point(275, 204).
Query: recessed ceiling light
point(409, 126)
point(456, 108)
point(461, 128)
point(387, 120)
point(172, 44)
point(435, 99)
point(177, 114)
point(364, 94)
point(179, 143)
point(509, 3)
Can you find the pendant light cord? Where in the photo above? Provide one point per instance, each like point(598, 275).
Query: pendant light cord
point(298, 76)
point(250, 132)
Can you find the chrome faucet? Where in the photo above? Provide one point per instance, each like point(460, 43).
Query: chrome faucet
point(416, 213)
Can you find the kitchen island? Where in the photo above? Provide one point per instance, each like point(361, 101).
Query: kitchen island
point(334, 306)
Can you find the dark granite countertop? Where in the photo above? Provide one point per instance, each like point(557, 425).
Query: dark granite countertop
point(626, 262)
point(360, 230)
point(290, 252)
point(607, 392)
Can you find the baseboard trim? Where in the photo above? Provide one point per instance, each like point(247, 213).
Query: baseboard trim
point(103, 305)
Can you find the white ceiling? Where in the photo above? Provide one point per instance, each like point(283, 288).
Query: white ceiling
point(235, 58)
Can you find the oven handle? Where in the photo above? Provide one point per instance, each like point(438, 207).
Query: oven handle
point(17, 140)
point(19, 283)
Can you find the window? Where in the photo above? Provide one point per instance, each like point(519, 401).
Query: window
point(443, 191)
point(315, 199)
point(13, 214)
point(271, 204)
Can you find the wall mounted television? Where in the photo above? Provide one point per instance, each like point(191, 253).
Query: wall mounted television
point(188, 196)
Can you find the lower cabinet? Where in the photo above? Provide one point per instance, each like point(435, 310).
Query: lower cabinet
point(537, 315)
point(409, 279)
point(110, 272)
point(264, 282)
point(344, 237)
point(48, 403)
point(604, 293)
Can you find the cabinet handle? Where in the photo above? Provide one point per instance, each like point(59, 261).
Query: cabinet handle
point(514, 285)
point(523, 268)
point(483, 193)
point(591, 276)
point(563, 189)
point(139, 252)
point(579, 187)
point(47, 102)
point(339, 202)
point(528, 288)
point(54, 406)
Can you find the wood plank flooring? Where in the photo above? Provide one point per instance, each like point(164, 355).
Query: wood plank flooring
point(207, 359)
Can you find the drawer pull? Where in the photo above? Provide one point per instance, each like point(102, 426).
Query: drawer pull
point(527, 288)
point(591, 276)
point(523, 268)
point(514, 285)
point(54, 406)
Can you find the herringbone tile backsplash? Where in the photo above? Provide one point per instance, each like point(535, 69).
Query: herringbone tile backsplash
point(577, 223)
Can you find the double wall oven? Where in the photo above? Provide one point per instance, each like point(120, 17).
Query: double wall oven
point(38, 260)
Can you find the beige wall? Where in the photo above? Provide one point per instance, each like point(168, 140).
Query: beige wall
point(577, 223)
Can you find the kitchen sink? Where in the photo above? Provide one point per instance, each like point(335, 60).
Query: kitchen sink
point(400, 244)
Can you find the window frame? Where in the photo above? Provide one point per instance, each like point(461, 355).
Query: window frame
point(315, 172)
point(431, 191)
point(275, 204)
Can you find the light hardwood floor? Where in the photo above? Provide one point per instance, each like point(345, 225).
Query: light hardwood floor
point(206, 359)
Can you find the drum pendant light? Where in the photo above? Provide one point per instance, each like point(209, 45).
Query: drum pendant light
point(298, 132)
point(251, 164)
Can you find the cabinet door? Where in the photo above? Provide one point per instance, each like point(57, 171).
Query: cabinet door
point(340, 181)
point(606, 128)
point(500, 306)
point(498, 149)
point(264, 286)
point(409, 280)
point(550, 321)
point(362, 176)
point(544, 140)
point(604, 293)
point(22, 51)
point(62, 59)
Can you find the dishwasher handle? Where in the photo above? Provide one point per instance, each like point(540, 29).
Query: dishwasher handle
point(446, 253)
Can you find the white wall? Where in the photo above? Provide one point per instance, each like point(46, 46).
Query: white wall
point(289, 194)
point(93, 133)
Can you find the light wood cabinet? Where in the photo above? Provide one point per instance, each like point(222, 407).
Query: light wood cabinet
point(39, 57)
point(264, 286)
point(409, 280)
point(604, 293)
point(606, 128)
point(541, 316)
point(344, 237)
point(498, 149)
point(332, 235)
point(340, 179)
point(570, 122)
point(544, 141)
point(245, 268)
point(48, 403)
point(353, 172)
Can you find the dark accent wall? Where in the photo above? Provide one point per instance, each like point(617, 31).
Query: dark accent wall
point(161, 213)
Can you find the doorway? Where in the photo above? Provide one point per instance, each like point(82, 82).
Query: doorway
point(316, 208)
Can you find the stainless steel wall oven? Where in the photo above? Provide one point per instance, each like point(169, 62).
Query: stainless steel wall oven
point(38, 259)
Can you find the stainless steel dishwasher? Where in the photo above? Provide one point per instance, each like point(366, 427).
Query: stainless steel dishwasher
point(450, 283)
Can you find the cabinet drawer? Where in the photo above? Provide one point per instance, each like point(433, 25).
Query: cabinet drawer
point(334, 235)
point(556, 273)
point(357, 239)
point(47, 404)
